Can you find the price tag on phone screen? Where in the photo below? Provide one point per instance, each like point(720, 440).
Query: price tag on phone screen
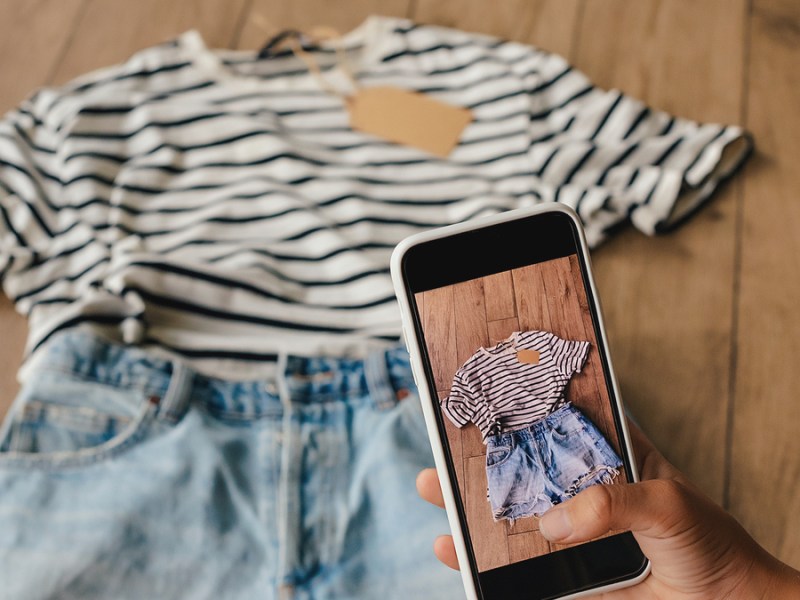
point(530, 357)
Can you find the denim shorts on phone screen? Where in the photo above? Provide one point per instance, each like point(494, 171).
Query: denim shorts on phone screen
point(532, 469)
point(129, 477)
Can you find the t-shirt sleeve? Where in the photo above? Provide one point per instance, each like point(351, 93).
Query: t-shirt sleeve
point(612, 158)
point(460, 405)
point(29, 179)
point(568, 355)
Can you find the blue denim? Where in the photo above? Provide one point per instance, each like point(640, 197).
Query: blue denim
point(127, 476)
point(532, 469)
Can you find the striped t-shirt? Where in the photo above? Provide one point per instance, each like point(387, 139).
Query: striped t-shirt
point(217, 207)
point(500, 392)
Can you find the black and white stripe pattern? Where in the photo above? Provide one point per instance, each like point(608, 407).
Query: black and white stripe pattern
point(219, 207)
point(500, 393)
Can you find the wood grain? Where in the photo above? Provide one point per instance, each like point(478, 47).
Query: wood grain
point(765, 445)
point(265, 18)
point(439, 323)
point(34, 35)
point(523, 545)
point(532, 309)
point(548, 24)
point(110, 31)
point(491, 539)
point(471, 333)
point(499, 304)
point(502, 329)
point(14, 329)
point(470, 316)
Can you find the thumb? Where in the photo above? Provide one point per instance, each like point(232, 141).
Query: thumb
point(657, 508)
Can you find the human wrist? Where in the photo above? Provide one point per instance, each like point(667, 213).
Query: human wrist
point(783, 582)
point(769, 579)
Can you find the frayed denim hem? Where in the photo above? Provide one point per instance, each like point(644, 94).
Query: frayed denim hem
point(604, 474)
point(533, 508)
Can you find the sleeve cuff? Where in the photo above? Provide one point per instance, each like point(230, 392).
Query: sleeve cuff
point(679, 193)
point(452, 413)
point(580, 358)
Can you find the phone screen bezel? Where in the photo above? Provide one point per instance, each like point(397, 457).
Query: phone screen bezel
point(465, 255)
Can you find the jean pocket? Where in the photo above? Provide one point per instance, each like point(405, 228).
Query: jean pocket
point(63, 421)
point(497, 455)
point(567, 426)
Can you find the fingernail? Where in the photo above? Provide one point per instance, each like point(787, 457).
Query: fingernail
point(555, 524)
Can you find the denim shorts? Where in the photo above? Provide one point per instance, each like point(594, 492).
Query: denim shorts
point(532, 469)
point(126, 476)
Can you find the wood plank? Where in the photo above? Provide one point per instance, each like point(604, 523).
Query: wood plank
point(438, 323)
point(471, 334)
point(34, 36)
point(532, 306)
point(499, 291)
point(502, 329)
point(764, 490)
point(668, 301)
point(522, 546)
point(470, 319)
point(491, 541)
point(524, 525)
point(472, 441)
point(15, 329)
point(110, 32)
point(645, 47)
point(267, 17)
point(548, 24)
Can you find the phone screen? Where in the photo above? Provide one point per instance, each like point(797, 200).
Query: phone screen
point(516, 362)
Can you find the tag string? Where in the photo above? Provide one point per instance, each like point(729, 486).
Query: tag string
point(321, 34)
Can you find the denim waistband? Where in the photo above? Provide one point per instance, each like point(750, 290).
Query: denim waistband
point(531, 431)
point(382, 377)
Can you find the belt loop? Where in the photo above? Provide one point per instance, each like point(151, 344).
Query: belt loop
point(379, 385)
point(176, 399)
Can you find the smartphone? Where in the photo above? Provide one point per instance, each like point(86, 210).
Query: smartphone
point(503, 325)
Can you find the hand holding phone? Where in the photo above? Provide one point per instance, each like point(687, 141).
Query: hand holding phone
point(507, 345)
point(696, 548)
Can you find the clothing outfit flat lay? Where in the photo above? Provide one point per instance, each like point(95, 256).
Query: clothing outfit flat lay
point(540, 450)
point(200, 242)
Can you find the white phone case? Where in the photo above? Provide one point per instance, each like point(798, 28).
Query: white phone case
point(417, 366)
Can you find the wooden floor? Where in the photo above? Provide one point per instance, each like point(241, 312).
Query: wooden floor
point(703, 323)
point(457, 320)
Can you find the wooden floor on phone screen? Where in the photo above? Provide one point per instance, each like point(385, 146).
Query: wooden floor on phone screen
point(703, 321)
point(459, 319)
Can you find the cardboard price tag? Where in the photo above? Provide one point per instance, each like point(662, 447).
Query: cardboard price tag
point(530, 357)
point(408, 118)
